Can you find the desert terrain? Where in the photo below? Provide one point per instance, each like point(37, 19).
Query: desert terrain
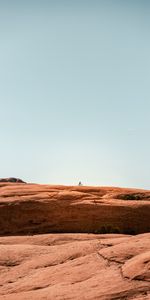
point(74, 242)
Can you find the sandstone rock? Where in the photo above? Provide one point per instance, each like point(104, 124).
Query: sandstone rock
point(72, 266)
point(70, 262)
point(33, 208)
point(138, 267)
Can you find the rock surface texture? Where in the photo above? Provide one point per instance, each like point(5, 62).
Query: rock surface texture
point(33, 208)
point(77, 265)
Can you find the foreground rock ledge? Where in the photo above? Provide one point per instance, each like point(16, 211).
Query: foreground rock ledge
point(32, 209)
point(75, 266)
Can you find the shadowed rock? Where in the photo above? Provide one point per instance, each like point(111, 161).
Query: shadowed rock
point(12, 179)
point(34, 209)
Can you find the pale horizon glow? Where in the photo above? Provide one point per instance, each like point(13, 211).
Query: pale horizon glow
point(74, 92)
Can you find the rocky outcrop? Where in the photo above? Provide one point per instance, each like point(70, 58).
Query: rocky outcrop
point(75, 266)
point(33, 209)
point(70, 262)
point(12, 179)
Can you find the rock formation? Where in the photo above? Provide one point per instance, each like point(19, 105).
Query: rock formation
point(32, 208)
point(75, 266)
point(71, 261)
point(12, 179)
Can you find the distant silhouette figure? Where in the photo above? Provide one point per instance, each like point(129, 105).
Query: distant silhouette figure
point(80, 183)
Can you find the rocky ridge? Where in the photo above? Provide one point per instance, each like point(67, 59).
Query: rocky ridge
point(70, 243)
point(34, 208)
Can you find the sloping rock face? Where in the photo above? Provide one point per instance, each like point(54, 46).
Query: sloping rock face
point(32, 209)
point(75, 266)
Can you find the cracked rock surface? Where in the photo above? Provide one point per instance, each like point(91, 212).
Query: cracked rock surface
point(75, 266)
point(50, 249)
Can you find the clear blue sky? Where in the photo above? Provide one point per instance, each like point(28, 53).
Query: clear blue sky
point(75, 91)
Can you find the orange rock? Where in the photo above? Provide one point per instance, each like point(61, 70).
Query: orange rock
point(73, 266)
point(70, 262)
point(32, 208)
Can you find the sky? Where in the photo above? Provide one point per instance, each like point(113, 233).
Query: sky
point(75, 91)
